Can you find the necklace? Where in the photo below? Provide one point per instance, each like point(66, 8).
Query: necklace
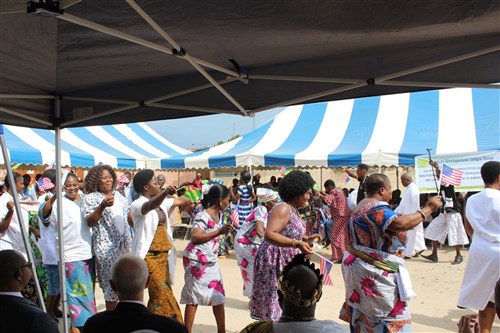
point(297, 212)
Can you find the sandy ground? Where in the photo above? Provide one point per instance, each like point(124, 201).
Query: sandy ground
point(434, 310)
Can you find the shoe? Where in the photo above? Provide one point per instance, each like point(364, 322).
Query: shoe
point(431, 257)
point(407, 258)
point(418, 253)
point(458, 260)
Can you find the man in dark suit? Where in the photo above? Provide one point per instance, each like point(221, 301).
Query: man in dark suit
point(16, 313)
point(129, 278)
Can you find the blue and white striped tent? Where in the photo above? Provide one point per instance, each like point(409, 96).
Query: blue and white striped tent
point(124, 146)
point(383, 130)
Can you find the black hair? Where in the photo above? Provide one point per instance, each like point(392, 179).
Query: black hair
point(16, 176)
point(38, 176)
point(294, 184)
point(247, 177)
point(71, 175)
point(363, 166)
point(50, 174)
point(490, 171)
point(375, 182)
point(216, 193)
point(27, 179)
point(92, 178)
point(329, 183)
point(141, 179)
point(10, 261)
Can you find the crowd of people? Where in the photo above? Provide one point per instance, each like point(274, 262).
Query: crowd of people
point(118, 230)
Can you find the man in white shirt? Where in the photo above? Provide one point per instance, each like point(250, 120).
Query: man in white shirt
point(18, 314)
point(410, 203)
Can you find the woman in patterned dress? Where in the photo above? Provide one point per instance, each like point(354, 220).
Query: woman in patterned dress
point(251, 235)
point(106, 212)
point(284, 238)
point(340, 213)
point(202, 277)
point(376, 299)
point(78, 262)
point(245, 196)
point(153, 240)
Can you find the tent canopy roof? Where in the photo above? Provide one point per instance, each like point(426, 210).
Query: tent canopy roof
point(286, 53)
point(387, 130)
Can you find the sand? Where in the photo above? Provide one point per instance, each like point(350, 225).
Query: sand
point(434, 310)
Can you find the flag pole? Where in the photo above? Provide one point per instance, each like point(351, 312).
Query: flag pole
point(319, 255)
point(433, 174)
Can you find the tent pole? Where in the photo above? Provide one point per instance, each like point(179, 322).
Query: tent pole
point(60, 234)
point(27, 246)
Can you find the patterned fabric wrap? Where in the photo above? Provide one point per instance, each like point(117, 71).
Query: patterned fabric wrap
point(226, 241)
point(80, 291)
point(202, 277)
point(372, 295)
point(340, 212)
point(247, 242)
point(244, 205)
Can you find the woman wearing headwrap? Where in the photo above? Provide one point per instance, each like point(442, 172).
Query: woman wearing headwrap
point(284, 238)
point(153, 240)
point(251, 235)
point(202, 276)
point(106, 212)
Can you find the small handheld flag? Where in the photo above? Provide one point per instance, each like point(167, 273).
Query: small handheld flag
point(325, 266)
point(235, 217)
point(285, 171)
point(451, 176)
point(346, 179)
point(192, 193)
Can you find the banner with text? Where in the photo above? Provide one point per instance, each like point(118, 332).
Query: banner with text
point(470, 164)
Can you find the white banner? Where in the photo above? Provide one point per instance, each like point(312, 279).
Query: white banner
point(470, 164)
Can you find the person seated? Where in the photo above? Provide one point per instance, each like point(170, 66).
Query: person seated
point(18, 314)
point(299, 289)
point(129, 278)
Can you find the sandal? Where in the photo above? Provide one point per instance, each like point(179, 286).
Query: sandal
point(431, 257)
point(458, 260)
point(418, 253)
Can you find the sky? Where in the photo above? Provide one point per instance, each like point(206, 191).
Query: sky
point(205, 131)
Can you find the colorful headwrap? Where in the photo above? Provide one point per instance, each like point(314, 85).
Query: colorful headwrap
point(216, 180)
point(266, 194)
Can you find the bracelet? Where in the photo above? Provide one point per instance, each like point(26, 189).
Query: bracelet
point(422, 214)
point(293, 243)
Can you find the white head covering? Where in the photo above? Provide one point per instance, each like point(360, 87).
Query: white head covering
point(266, 194)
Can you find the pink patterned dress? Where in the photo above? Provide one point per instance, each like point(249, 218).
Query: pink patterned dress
point(202, 276)
point(341, 213)
point(246, 244)
point(269, 263)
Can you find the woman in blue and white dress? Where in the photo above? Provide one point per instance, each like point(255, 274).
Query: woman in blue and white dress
point(244, 197)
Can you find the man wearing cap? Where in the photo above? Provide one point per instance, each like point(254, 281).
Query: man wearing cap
point(361, 174)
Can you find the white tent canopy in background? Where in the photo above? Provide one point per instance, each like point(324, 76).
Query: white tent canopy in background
point(124, 146)
point(383, 130)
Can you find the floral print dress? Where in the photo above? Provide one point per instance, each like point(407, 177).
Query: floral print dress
point(110, 237)
point(373, 302)
point(269, 262)
point(202, 277)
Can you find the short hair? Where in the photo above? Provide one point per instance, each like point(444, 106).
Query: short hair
point(71, 175)
point(490, 171)
point(329, 183)
point(16, 176)
point(50, 174)
point(375, 182)
point(141, 179)
point(129, 274)
point(363, 166)
point(294, 184)
point(92, 178)
point(10, 261)
point(216, 193)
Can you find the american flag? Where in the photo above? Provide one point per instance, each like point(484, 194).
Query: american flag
point(45, 184)
point(346, 179)
point(235, 218)
point(451, 176)
point(325, 267)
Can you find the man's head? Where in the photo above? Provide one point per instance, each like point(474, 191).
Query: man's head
point(406, 179)
point(198, 175)
point(129, 277)
point(378, 186)
point(329, 185)
point(15, 272)
point(161, 180)
point(361, 171)
point(300, 287)
point(490, 172)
